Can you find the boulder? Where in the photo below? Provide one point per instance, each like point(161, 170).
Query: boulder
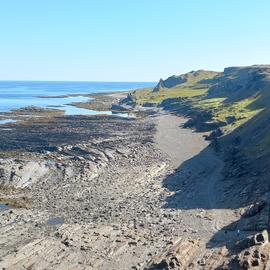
point(261, 238)
point(254, 209)
point(116, 107)
point(129, 100)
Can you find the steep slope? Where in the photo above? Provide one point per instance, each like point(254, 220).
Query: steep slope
point(237, 83)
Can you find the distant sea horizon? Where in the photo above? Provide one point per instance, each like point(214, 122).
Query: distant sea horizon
point(16, 94)
point(71, 81)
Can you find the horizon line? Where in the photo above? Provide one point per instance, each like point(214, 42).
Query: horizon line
point(18, 80)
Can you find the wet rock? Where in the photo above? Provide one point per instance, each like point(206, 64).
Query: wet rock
point(254, 209)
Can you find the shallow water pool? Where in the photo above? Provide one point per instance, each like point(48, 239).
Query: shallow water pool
point(7, 121)
point(3, 206)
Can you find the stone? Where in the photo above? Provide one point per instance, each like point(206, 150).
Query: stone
point(261, 238)
point(254, 209)
point(255, 263)
point(246, 265)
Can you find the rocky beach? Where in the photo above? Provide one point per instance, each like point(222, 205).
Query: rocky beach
point(105, 192)
point(160, 189)
point(99, 192)
point(134, 135)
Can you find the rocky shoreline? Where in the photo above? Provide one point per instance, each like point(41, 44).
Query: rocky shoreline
point(104, 192)
point(62, 172)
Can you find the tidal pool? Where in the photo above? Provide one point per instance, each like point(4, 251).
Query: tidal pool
point(3, 206)
point(7, 121)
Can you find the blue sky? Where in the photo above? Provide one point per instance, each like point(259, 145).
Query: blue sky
point(129, 40)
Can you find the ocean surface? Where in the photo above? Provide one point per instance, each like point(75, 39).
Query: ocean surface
point(19, 94)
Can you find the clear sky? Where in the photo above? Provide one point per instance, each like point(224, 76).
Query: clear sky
point(129, 40)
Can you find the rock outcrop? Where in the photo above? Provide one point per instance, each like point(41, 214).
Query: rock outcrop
point(237, 83)
point(190, 77)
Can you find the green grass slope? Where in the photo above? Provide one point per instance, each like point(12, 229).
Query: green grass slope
point(192, 84)
point(238, 99)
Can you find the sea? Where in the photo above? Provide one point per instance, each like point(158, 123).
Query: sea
point(20, 94)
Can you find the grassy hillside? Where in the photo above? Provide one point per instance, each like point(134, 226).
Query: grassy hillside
point(237, 98)
point(195, 84)
point(147, 95)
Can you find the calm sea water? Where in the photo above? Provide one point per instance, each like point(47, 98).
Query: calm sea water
point(19, 94)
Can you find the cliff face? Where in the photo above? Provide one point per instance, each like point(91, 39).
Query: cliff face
point(187, 78)
point(237, 83)
point(249, 86)
point(170, 82)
